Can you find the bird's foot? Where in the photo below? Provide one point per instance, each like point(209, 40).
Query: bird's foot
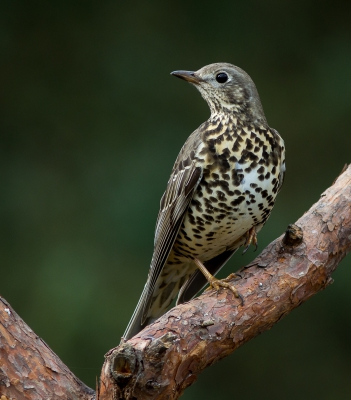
point(218, 283)
point(251, 238)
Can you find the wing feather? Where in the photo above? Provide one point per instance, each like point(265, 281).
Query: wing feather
point(178, 195)
point(181, 186)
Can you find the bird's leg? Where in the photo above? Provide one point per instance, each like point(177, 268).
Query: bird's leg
point(217, 283)
point(251, 238)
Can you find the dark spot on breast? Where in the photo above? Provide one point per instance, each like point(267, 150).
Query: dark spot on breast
point(191, 217)
point(228, 135)
point(213, 199)
point(237, 177)
point(208, 190)
point(237, 201)
point(249, 145)
point(197, 205)
point(252, 156)
point(221, 195)
point(225, 186)
point(225, 153)
point(213, 183)
point(219, 139)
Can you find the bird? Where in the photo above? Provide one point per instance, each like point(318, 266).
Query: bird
point(221, 192)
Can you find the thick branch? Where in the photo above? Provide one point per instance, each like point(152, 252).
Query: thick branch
point(166, 357)
point(29, 369)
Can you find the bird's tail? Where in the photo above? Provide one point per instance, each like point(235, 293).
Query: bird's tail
point(135, 325)
point(154, 303)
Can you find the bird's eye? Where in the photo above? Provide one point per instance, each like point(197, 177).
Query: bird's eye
point(221, 77)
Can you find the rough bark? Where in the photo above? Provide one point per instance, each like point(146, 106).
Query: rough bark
point(29, 369)
point(167, 356)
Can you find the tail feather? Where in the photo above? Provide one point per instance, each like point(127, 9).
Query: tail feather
point(135, 325)
point(157, 306)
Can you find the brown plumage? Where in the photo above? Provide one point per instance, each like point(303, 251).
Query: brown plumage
point(221, 191)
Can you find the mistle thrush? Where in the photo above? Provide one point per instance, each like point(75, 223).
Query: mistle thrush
point(220, 194)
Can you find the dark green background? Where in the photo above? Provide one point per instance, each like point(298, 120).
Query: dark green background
point(91, 123)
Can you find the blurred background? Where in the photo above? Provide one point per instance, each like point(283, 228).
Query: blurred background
point(91, 125)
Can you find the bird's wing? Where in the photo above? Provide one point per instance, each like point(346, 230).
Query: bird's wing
point(197, 280)
point(181, 186)
point(174, 203)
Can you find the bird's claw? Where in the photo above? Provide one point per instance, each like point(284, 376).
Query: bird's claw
point(251, 238)
point(216, 284)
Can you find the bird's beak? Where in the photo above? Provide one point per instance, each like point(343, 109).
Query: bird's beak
point(188, 76)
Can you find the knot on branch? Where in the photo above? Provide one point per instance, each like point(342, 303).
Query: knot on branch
point(160, 345)
point(123, 361)
point(293, 236)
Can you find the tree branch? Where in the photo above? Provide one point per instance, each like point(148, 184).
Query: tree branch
point(166, 357)
point(29, 369)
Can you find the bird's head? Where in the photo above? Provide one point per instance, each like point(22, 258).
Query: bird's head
point(227, 89)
